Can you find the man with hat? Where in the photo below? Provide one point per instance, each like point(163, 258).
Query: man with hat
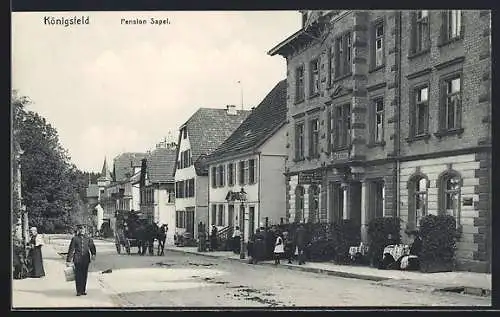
point(81, 252)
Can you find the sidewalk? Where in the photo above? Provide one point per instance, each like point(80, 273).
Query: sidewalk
point(431, 281)
point(53, 290)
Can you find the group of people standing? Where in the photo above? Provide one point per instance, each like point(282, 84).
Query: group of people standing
point(281, 244)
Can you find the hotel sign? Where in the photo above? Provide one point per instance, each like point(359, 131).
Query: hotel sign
point(310, 177)
point(340, 155)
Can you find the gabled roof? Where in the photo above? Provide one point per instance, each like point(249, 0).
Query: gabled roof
point(261, 124)
point(207, 129)
point(160, 165)
point(124, 165)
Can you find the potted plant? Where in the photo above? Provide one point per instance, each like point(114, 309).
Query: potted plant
point(382, 231)
point(439, 234)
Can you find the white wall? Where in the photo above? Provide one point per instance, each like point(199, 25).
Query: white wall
point(136, 197)
point(273, 189)
point(276, 145)
point(432, 168)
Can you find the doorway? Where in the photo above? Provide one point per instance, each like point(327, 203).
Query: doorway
point(336, 203)
point(190, 219)
point(230, 215)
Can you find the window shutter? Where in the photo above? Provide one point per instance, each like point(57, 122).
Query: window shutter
point(413, 37)
point(413, 112)
point(373, 45)
point(444, 26)
point(329, 131)
point(442, 105)
point(459, 105)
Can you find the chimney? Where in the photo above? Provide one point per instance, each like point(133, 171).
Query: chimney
point(231, 109)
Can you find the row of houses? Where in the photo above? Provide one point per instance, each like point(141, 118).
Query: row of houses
point(382, 113)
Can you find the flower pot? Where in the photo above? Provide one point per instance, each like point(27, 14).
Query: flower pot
point(435, 267)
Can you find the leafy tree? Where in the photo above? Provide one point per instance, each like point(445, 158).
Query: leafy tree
point(53, 189)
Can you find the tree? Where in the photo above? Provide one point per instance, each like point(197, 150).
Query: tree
point(52, 187)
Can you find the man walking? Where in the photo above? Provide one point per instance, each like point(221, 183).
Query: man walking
point(81, 252)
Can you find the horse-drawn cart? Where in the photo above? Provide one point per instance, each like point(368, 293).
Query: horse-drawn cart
point(127, 228)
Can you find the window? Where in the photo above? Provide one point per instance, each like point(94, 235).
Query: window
point(214, 176)
point(421, 36)
point(313, 203)
point(230, 174)
point(379, 45)
point(451, 107)
point(180, 219)
point(452, 24)
point(245, 167)
point(450, 188)
point(214, 215)
point(221, 176)
point(343, 125)
point(299, 204)
point(314, 138)
point(299, 84)
point(419, 118)
point(417, 204)
point(220, 218)
point(343, 60)
point(314, 82)
point(299, 141)
point(252, 171)
point(378, 135)
point(241, 168)
point(184, 133)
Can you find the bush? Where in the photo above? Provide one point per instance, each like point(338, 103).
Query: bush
point(382, 232)
point(438, 235)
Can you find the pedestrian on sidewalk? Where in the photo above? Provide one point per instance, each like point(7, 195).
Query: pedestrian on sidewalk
point(81, 252)
point(289, 247)
point(301, 243)
point(279, 248)
point(259, 247)
point(236, 240)
point(213, 238)
point(35, 253)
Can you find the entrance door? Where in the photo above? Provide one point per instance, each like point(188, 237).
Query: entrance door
point(230, 215)
point(190, 220)
point(336, 202)
point(376, 199)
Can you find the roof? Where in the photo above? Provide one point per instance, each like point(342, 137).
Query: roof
point(207, 129)
point(105, 173)
point(93, 190)
point(124, 163)
point(160, 165)
point(261, 124)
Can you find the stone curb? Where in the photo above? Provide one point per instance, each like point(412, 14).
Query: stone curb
point(298, 268)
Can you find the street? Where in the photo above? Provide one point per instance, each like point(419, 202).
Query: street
point(187, 280)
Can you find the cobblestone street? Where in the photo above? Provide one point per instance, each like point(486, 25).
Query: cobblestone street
point(184, 280)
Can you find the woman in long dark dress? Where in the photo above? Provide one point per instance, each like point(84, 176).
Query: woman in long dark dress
point(35, 254)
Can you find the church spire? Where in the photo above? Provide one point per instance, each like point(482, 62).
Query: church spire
point(105, 170)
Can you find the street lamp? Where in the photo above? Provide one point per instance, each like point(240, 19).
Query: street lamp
point(242, 198)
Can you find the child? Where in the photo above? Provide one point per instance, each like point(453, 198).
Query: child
point(278, 249)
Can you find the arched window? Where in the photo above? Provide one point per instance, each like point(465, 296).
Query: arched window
point(299, 204)
point(417, 199)
point(313, 204)
point(450, 184)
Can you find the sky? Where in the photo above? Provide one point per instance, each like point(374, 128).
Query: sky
point(110, 88)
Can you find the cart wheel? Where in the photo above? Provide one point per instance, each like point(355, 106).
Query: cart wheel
point(118, 248)
point(127, 246)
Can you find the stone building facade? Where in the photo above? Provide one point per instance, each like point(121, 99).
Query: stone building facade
point(378, 101)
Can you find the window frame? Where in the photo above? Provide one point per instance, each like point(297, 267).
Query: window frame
point(230, 174)
point(418, 33)
point(299, 202)
point(343, 126)
point(374, 119)
point(252, 170)
point(220, 215)
point(299, 146)
point(313, 138)
point(214, 215)
point(413, 185)
point(343, 55)
point(213, 176)
point(241, 172)
point(444, 192)
point(443, 105)
point(312, 74)
point(413, 116)
point(376, 38)
point(300, 84)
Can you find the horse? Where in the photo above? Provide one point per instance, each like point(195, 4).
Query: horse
point(161, 236)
